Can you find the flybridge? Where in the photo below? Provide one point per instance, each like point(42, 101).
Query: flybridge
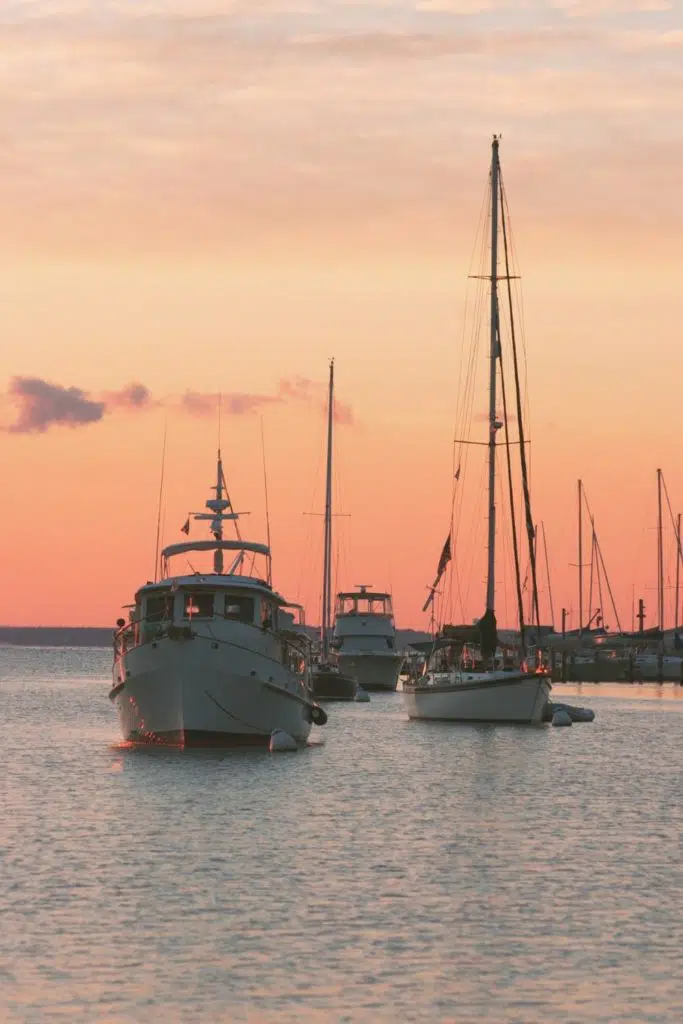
point(363, 601)
point(220, 510)
point(214, 545)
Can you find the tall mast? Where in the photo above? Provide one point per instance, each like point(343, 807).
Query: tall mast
point(217, 525)
point(494, 349)
point(580, 486)
point(678, 567)
point(530, 613)
point(660, 553)
point(327, 555)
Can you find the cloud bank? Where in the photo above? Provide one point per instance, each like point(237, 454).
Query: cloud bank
point(40, 404)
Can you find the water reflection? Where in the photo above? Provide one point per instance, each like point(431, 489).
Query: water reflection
point(402, 871)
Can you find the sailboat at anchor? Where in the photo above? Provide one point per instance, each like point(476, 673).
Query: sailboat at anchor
point(329, 683)
point(464, 679)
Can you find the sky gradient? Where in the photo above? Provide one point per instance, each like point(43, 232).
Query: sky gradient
point(224, 199)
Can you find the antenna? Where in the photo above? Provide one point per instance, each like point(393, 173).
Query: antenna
point(265, 489)
point(161, 495)
point(219, 420)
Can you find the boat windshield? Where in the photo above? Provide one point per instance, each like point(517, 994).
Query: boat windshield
point(364, 604)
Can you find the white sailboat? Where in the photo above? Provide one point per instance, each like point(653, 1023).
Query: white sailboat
point(202, 660)
point(329, 682)
point(485, 688)
point(365, 638)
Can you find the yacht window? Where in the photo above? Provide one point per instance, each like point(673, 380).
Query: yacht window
point(159, 608)
point(390, 643)
point(239, 608)
point(198, 606)
point(268, 615)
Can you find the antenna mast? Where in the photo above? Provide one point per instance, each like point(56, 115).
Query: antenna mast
point(265, 489)
point(660, 553)
point(327, 555)
point(580, 488)
point(161, 495)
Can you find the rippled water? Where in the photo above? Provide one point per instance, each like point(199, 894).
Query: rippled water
point(399, 871)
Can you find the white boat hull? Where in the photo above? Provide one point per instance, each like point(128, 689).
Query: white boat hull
point(372, 671)
point(195, 693)
point(648, 667)
point(486, 697)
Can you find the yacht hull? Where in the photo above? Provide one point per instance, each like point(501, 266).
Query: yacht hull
point(198, 694)
point(372, 671)
point(647, 668)
point(490, 697)
point(333, 686)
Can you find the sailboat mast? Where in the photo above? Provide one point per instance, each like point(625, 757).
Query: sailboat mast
point(678, 567)
point(660, 552)
point(218, 521)
point(491, 576)
point(580, 561)
point(327, 556)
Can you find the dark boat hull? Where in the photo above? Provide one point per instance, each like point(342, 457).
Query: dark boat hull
point(194, 739)
point(333, 686)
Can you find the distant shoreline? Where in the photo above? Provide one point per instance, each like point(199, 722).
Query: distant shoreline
point(56, 636)
point(101, 636)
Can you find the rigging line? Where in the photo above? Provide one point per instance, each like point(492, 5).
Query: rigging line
point(476, 528)
point(478, 245)
point(265, 491)
point(161, 498)
point(602, 561)
point(600, 575)
point(519, 298)
point(547, 570)
point(310, 540)
point(505, 556)
point(513, 518)
point(609, 586)
point(464, 421)
point(673, 520)
point(520, 422)
point(592, 564)
point(466, 395)
point(516, 293)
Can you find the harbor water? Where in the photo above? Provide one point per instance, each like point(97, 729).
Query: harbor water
point(391, 871)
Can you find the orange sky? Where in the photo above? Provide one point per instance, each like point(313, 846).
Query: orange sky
point(224, 201)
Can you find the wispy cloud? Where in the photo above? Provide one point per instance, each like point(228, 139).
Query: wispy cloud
point(423, 45)
point(594, 8)
point(40, 404)
point(247, 118)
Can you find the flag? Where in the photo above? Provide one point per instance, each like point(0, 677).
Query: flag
point(185, 528)
point(457, 473)
point(443, 562)
point(445, 557)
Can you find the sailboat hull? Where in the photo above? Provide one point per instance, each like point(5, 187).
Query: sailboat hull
point(484, 697)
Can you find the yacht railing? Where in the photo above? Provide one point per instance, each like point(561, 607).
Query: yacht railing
point(295, 650)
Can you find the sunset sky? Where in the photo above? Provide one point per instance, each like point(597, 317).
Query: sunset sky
point(203, 195)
